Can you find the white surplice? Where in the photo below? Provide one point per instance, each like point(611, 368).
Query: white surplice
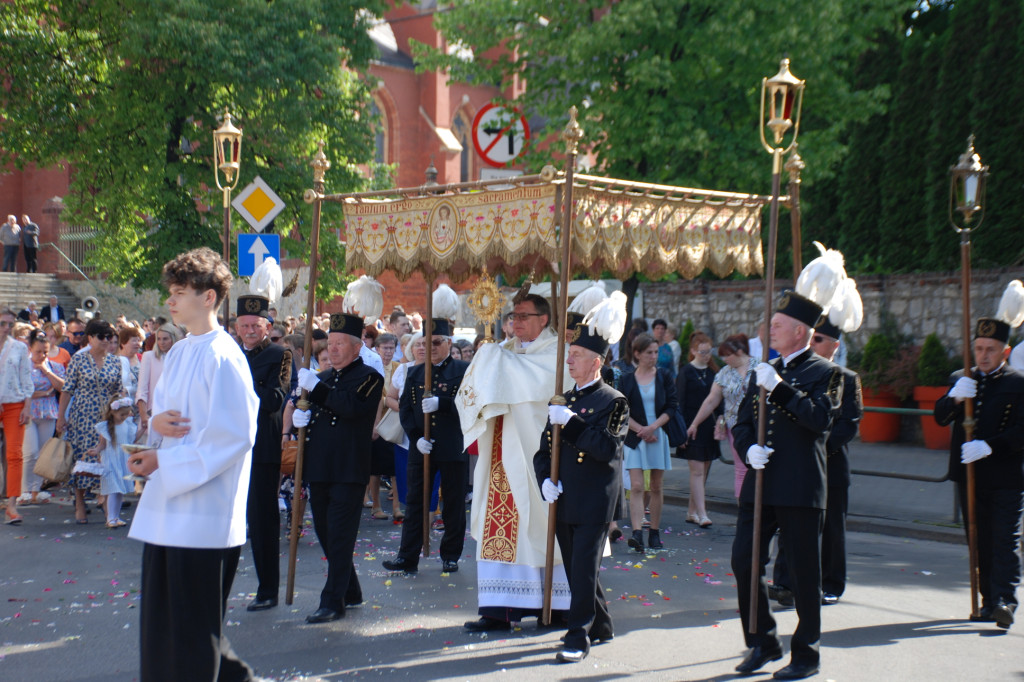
point(515, 384)
point(197, 496)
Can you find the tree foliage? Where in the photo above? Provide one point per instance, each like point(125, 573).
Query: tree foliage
point(128, 94)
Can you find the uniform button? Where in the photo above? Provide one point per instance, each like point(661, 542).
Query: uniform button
point(770, 432)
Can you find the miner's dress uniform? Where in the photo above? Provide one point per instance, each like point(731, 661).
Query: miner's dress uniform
point(999, 481)
point(589, 470)
point(800, 413)
point(273, 379)
point(448, 457)
point(833, 536)
point(337, 466)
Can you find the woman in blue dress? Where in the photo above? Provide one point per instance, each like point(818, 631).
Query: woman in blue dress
point(651, 393)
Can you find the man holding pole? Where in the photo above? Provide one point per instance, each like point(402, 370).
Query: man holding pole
point(804, 394)
point(339, 429)
point(997, 451)
point(594, 421)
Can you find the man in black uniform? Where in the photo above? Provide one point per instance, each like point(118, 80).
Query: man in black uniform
point(997, 451)
point(337, 457)
point(825, 342)
point(447, 454)
point(594, 426)
point(271, 367)
point(804, 394)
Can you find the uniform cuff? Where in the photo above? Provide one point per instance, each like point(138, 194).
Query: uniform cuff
point(573, 429)
point(782, 394)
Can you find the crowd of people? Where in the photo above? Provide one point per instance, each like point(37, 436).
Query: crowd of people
point(398, 428)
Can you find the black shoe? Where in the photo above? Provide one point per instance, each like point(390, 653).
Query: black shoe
point(828, 599)
point(570, 655)
point(400, 564)
point(486, 624)
point(636, 541)
point(757, 657)
point(323, 615)
point(783, 595)
point(601, 637)
point(1003, 615)
point(614, 536)
point(797, 671)
point(258, 604)
point(450, 566)
point(654, 539)
point(984, 616)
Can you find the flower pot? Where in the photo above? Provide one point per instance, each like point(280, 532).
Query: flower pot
point(935, 437)
point(879, 427)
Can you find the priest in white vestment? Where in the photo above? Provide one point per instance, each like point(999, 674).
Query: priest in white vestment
point(503, 407)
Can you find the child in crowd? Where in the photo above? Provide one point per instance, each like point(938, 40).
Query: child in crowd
point(116, 430)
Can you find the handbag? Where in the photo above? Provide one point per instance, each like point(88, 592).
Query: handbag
point(675, 429)
point(289, 453)
point(721, 431)
point(390, 427)
point(55, 460)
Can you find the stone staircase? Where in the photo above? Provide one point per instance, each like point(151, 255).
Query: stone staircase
point(18, 288)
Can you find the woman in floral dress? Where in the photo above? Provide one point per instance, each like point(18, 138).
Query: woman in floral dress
point(93, 379)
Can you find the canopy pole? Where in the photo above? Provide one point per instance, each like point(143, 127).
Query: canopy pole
point(320, 166)
point(969, 422)
point(572, 135)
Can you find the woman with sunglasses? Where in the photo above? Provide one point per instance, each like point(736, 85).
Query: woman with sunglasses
point(15, 394)
point(93, 379)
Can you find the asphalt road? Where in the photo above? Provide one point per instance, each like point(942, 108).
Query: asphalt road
point(70, 613)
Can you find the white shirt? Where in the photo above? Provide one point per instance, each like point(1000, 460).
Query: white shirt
point(371, 358)
point(197, 496)
point(15, 372)
point(1017, 357)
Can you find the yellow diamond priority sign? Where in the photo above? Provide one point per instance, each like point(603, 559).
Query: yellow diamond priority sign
point(258, 204)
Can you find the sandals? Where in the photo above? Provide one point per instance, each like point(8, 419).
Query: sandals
point(12, 519)
point(380, 515)
point(705, 522)
point(116, 524)
point(693, 518)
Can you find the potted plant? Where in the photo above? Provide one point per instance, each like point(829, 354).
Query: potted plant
point(878, 427)
point(933, 368)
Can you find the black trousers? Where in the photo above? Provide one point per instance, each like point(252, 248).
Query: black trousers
point(833, 547)
point(264, 519)
point(184, 598)
point(454, 477)
point(999, 530)
point(336, 511)
point(800, 539)
point(30, 259)
point(582, 546)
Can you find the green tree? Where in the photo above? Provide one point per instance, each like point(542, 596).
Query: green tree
point(128, 94)
point(669, 89)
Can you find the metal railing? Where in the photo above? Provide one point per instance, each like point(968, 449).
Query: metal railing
point(96, 289)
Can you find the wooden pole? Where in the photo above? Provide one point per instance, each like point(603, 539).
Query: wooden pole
point(762, 398)
point(320, 165)
point(572, 135)
point(428, 383)
point(794, 166)
point(972, 526)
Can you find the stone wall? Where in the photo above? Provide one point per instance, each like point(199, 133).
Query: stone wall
point(142, 303)
point(919, 303)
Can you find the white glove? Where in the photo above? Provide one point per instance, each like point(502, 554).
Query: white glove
point(307, 379)
point(757, 456)
point(430, 404)
point(973, 450)
point(300, 418)
point(424, 446)
point(550, 491)
point(559, 414)
point(965, 387)
point(767, 377)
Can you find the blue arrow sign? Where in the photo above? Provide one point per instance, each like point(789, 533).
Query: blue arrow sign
point(253, 249)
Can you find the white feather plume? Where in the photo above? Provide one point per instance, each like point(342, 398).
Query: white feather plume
point(1011, 305)
point(587, 299)
point(847, 311)
point(821, 277)
point(445, 304)
point(609, 317)
point(365, 297)
point(267, 280)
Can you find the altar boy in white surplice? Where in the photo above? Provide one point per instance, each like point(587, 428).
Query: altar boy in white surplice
point(192, 513)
